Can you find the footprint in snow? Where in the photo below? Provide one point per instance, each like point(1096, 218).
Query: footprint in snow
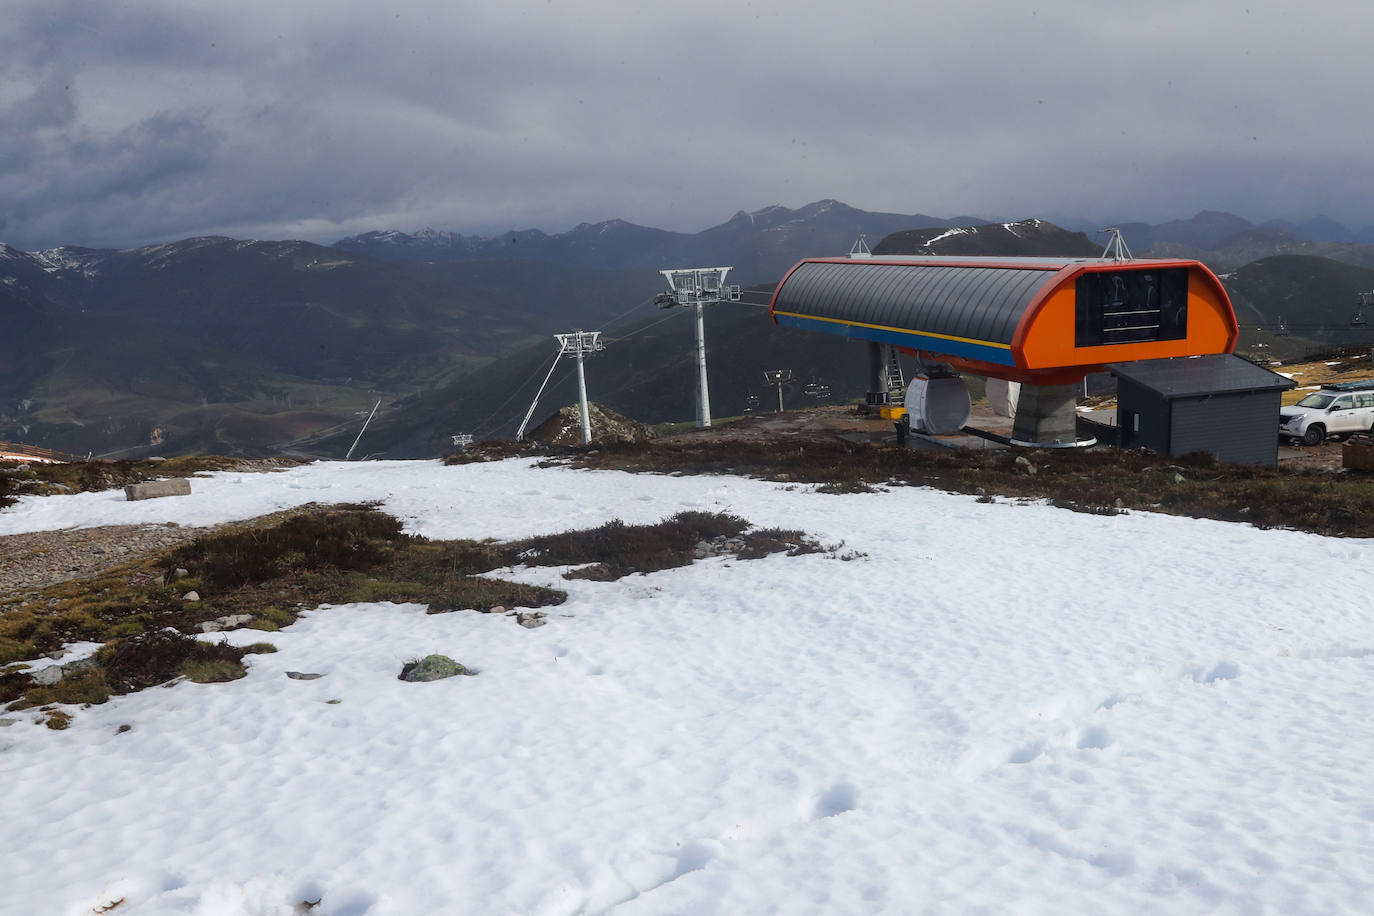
point(1027, 752)
point(1093, 738)
point(1221, 671)
point(838, 799)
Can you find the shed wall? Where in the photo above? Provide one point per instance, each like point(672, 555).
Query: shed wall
point(1237, 428)
point(1137, 404)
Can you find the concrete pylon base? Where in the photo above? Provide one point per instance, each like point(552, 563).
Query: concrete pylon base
point(1047, 415)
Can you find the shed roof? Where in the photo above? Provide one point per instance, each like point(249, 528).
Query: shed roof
point(1194, 376)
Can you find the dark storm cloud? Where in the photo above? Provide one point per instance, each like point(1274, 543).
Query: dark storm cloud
point(151, 119)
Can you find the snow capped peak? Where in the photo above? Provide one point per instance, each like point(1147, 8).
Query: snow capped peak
point(1022, 224)
point(950, 233)
point(428, 234)
point(821, 206)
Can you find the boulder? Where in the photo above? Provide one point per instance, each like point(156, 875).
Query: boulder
point(175, 486)
point(228, 622)
point(432, 668)
point(565, 427)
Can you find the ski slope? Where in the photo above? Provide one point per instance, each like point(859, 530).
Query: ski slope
point(1000, 708)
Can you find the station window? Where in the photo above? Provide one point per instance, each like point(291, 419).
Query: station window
point(1131, 306)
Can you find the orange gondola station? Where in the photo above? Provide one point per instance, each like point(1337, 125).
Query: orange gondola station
point(1036, 326)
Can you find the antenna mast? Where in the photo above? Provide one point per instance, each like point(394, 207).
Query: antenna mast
point(1116, 245)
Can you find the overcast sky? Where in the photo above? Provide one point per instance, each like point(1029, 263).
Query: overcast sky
point(132, 121)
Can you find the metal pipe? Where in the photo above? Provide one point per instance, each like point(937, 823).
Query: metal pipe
point(703, 393)
point(520, 433)
point(582, 400)
point(363, 430)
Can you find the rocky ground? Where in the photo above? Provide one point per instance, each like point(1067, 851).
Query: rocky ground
point(40, 559)
point(44, 558)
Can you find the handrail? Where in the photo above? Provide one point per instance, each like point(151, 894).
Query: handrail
point(17, 450)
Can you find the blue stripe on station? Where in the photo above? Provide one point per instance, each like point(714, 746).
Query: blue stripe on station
point(999, 354)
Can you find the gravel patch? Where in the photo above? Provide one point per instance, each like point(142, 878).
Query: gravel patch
point(43, 558)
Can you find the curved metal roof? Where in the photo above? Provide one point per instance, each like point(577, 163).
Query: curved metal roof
point(972, 307)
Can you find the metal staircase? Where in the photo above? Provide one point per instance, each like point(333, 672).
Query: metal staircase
point(892, 374)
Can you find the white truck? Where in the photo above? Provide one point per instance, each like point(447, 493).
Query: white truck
point(1335, 410)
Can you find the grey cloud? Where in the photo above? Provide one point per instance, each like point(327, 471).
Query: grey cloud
point(289, 116)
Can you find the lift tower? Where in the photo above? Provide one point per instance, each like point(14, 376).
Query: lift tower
point(698, 286)
point(581, 343)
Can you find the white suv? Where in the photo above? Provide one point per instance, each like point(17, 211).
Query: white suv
point(1327, 412)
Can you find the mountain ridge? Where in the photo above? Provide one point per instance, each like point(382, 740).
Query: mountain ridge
point(241, 346)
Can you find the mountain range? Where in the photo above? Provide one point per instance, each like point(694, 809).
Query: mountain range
point(248, 347)
point(762, 244)
point(759, 246)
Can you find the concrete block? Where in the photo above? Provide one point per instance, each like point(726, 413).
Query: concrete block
point(1047, 414)
point(176, 486)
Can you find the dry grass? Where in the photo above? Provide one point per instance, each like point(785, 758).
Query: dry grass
point(319, 555)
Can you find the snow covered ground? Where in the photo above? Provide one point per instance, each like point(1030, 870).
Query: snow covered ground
point(1001, 709)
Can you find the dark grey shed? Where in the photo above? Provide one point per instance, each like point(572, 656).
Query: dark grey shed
point(1220, 404)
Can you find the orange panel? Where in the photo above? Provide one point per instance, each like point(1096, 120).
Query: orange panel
point(1045, 338)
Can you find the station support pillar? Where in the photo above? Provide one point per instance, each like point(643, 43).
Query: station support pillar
point(1047, 414)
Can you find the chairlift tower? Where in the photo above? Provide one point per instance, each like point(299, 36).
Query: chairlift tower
point(581, 343)
point(578, 343)
point(698, 286)
point(778, 377)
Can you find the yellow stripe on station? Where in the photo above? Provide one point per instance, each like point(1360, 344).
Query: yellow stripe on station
point(880, 327)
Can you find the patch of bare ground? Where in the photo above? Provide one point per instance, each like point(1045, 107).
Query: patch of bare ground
point(822, 449)
point(42, 558)
point(147, 611)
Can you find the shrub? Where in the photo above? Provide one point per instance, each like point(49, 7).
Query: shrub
point(618, 549)
point(213, 670)
point(80, 687)
point(148, 659)
point(344, 538)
